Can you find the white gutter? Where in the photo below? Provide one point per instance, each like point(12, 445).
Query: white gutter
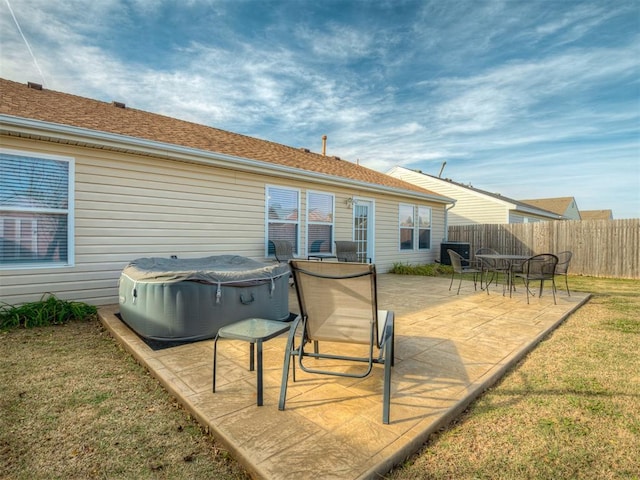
point(446, 221)
point(536, 211)
point(118, 142)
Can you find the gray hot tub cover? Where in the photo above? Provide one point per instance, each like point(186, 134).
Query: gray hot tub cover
point(221, 269)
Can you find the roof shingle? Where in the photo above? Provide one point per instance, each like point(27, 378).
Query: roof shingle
point(20, 100)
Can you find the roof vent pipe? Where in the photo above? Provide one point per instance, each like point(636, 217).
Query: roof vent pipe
point(324, 144)
point(442, 169)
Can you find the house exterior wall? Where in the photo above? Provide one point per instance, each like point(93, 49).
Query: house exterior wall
point(521, 218)
point(130, 206)
point(471, 207)
point(572, 212)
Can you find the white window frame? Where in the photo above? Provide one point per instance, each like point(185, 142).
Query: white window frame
point(401, 227)
point(419, 228)
point(309, 222)
point(69, 212)
point(267, 221)
point(415, 228)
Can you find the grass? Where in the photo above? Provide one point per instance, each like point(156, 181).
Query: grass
point(568, 410)
point(75, 405)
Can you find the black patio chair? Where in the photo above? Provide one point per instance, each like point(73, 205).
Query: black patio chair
point(564, 259)
point(492, 267)
point(457, 263)
point(538, 268)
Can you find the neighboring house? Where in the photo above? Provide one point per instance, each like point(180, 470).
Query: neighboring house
point(565, 206)
point(472, 204)
point(88, 186)
point(596, 214)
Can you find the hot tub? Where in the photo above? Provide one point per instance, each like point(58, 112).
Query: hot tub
point(172, 299)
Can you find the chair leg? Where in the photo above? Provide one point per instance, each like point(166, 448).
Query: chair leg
point(459, 284)
point(215, 354)
point(566, 284)
point(391, 326)
point(486, 284)
point(386, 394)
point(288, 353)
point(451, 283)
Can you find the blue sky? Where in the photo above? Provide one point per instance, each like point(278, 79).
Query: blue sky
point(526, 98)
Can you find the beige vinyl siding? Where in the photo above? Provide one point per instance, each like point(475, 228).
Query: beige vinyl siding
point(518, 218)
point(131, 206)
point(388, 236)
point(475, 208)
point(471, 206)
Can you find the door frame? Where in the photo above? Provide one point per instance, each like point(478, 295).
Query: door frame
point(370, 231)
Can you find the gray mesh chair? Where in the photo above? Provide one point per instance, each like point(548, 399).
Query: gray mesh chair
point(539, 268)
point(339, 309)
point(347, 251)
point(282, 249)
point(564, 259)
point(458, 267)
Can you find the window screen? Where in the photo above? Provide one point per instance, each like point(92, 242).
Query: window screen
point(35, 195)
point(282, 216)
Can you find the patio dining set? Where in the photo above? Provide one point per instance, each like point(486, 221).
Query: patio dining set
point(489, 265)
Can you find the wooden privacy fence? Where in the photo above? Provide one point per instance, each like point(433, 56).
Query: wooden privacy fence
point(601, 248)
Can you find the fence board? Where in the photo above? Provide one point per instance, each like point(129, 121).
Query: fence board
point(601, 248)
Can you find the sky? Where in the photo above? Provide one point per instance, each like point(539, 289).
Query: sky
point(525, 98)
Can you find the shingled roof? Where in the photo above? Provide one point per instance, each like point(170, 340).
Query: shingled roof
point(36, 103)
point(606, 214)
point(557, 205)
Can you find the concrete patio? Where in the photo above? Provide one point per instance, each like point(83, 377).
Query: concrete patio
point(449, 349)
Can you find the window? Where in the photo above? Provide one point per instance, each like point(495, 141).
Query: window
point(424, 228)
point(407, 225)
point(36, 202)
point(415, 223)
point(319, 222)
point(283, 205)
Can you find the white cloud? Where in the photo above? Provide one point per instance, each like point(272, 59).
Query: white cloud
point(414, 94)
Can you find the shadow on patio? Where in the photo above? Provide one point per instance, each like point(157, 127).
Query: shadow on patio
point(449, 349)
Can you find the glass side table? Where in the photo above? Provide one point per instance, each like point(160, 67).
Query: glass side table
point(255, 331)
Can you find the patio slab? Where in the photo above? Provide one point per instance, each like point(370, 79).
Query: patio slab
point(449, 349)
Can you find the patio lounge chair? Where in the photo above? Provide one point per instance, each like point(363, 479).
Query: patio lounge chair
point(564, 259)
point(338, 306)
point(539, 268)
point(460, 269)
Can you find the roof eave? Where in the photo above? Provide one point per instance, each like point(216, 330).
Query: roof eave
point(84, 136)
